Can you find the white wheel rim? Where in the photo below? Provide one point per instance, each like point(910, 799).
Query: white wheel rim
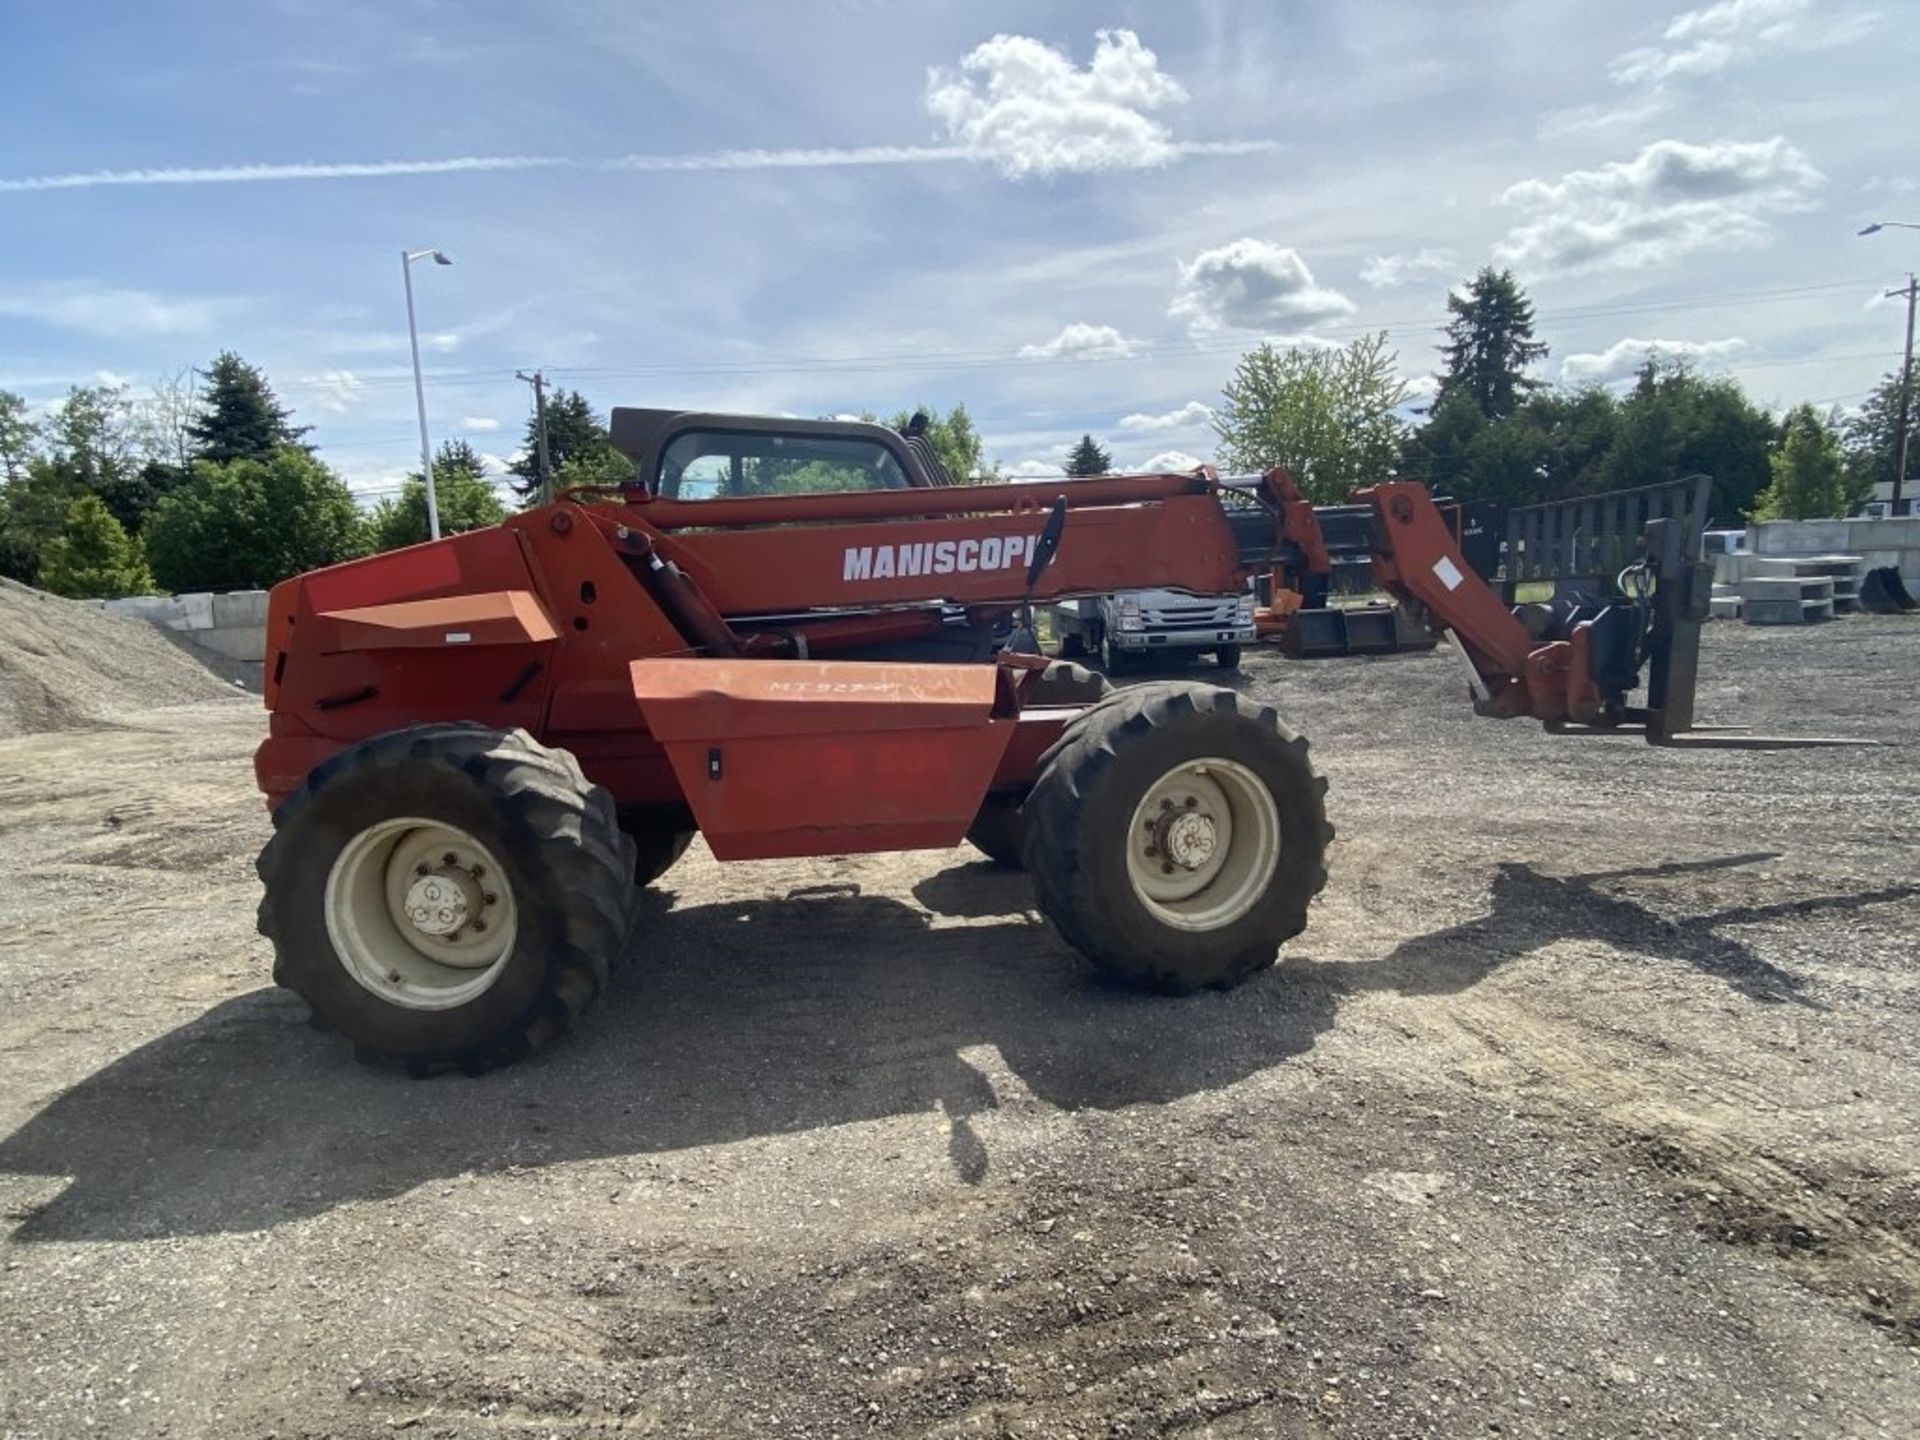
point(420, 913)
point(1203, 844)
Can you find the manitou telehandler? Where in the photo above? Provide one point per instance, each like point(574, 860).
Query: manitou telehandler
point(793, 638)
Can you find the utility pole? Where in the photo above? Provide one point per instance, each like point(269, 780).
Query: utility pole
point(1910, 290)
point(545, 470)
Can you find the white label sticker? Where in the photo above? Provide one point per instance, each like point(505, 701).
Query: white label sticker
point(458, 637)
point(1448, 572)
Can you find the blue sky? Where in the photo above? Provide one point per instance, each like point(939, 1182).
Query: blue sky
point(1070, 216)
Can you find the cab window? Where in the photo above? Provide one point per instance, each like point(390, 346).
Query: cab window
point(720, 464)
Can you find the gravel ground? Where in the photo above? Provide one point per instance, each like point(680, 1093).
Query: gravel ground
point(67, 665)
point(1584, 1107)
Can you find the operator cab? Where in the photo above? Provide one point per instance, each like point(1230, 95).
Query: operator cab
point(680, 455)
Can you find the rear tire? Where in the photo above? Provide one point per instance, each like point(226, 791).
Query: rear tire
point(1176, 836)
point(447, 895)
point(1073, 646)
point(999, 831)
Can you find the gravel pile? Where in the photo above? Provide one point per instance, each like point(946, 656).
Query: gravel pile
point(68, 665)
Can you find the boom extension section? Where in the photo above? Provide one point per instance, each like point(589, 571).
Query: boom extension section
point(1572, 669)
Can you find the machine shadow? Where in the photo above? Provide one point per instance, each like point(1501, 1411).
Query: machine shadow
point(1528, 910)
point(760, 1018)
point(731, 1021)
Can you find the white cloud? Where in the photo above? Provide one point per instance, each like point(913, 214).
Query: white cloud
point(1717, 37)
point(479, 424)
point(1189, 416)
point(1023, 106)
point(335, 390)
point(1670, 200)
point(1385, 272)
point(1015, 102)
point(1035, 470)
point(1420, 388)
point(1251, 285)
point(1080, 341)
point(1625, 357)
point(112, 379)
point(101, 310)
point(1169, 462)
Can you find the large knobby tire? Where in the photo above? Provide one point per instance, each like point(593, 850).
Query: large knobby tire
point(1176, 835)
point(447, 895)
point(999, 831)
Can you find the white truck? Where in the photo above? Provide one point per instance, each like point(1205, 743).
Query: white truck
point(1121, 627)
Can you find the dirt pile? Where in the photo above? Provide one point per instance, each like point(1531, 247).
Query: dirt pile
point(68, 665)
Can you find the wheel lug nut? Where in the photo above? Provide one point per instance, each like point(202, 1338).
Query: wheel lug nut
point(489, 898)
point(393, 977)
point(478, 926)
point(449, 859)
point(1166, 804)
point(421, 869)
point(477, 872)
point(1192, 804)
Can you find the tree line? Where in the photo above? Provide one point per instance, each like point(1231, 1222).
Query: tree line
point(217, 488)
point(184, 489)
point(1336, 416)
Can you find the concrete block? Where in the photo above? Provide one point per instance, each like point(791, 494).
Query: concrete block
point(1795, 588)
point(1725, 607)
point(196, 612)
point(236, 642)
point(238, 608)
point(154, 609)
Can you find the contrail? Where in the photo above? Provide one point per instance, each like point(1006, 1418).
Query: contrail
point(388, 169)
point(816, 159)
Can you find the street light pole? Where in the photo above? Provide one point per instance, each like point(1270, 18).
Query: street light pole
point(407, 257)
point(1911, 290)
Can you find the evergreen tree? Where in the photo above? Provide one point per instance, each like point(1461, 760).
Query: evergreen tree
point(1870, 440)
point(1808, 482)
point(1490, 345)
point(19, 436)
point(578, 448)
point(93, 558)
point(240, 418)
point(463, 495)
point(1087, 458)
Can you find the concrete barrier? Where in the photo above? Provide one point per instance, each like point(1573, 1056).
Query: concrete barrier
point(1894, 542)
point(226, 633)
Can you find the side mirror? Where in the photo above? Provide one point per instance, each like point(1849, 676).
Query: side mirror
point(1049, 544)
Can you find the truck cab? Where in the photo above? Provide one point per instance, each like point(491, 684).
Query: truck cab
point(1122, 627)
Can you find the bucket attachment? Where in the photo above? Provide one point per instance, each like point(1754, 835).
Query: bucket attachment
point(1363, 630)
point(1883, 592)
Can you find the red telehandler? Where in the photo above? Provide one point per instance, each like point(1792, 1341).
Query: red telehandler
point(792, 637)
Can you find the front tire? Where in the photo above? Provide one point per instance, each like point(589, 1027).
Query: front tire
point(1113, 659)
point(1228, 656)
point(447, 895)
point(1176, 836)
